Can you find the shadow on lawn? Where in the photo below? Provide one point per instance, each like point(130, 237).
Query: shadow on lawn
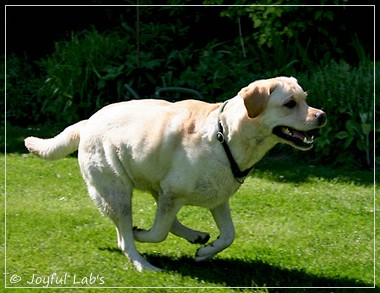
point(240, 273)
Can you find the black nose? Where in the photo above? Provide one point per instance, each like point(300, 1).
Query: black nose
point(321, 117)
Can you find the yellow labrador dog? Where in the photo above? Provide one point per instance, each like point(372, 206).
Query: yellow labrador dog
point(183, 153)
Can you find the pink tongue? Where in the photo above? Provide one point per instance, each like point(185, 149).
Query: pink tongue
point(298, 134)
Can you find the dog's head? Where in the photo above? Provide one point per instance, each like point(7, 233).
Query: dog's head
point(279, 105)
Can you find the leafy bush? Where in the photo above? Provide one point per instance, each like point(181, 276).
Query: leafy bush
point(91, 70)
point(217, 71)
point(77, 74)
point(346, 93)
point(324, 29)
point(22, 85)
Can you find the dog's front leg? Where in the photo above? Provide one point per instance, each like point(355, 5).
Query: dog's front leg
point(222, 217)
point(193, 236)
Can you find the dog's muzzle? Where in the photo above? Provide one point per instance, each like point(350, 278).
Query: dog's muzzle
point(299, 138)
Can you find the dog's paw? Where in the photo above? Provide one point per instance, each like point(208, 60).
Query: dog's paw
point(145, 266)
point(202, 239)
point(204, 253)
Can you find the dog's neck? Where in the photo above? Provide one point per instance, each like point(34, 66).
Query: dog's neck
point(243, 146)
point(238, 174)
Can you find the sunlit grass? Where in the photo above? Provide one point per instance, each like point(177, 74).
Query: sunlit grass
point(296, 226)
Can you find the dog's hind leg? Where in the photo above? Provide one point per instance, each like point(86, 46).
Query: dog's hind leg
point(193, 236)
point(167, 209)
point(127, 245)
point(117, 206)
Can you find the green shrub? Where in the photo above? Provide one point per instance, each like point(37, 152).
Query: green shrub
point(22, 85)
point(269, 25)
point(78, 73)
point(346, 93)
point(90, 71)
point(217, 71)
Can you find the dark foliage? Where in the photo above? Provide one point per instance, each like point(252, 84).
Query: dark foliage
point(74, 60)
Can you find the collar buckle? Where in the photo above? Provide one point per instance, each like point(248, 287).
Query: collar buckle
point(220, 137)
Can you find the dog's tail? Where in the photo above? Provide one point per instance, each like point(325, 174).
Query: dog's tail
point(57, 147)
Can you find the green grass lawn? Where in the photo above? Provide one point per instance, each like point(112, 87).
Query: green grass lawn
point(296, 226)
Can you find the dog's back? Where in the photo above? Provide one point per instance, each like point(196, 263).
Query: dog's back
point(156, 144)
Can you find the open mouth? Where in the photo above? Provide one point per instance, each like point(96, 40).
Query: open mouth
point(300, 139)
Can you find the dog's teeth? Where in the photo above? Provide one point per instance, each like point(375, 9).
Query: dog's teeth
point(308, 140)
point(286, 131)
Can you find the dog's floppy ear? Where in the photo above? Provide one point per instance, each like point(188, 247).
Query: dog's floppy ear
point(256, 97)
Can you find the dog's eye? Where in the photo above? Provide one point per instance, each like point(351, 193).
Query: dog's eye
point(291, 104)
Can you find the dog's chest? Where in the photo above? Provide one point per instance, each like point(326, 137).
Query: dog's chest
point(211, 195)
point(208, 190)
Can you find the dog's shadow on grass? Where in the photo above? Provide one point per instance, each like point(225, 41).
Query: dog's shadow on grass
point(242, 273)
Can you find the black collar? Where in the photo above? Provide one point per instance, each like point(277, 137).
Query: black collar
point(239, 175)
